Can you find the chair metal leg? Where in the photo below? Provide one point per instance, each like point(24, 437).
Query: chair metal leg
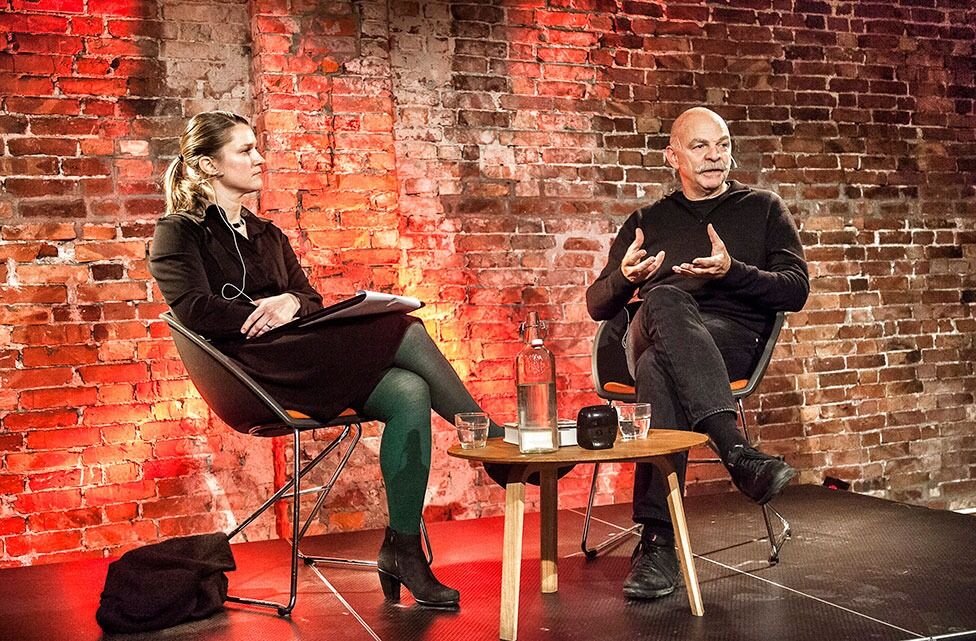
point(283, 610)
point(323, 493)
point(293, 490)
point(324, 490)
point(284, 490)
point(296, 517)
point(742, 419)
point(775, 541)
point(428, 551)
point(613, 539)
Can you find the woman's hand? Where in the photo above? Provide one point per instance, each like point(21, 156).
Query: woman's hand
point(270, 313)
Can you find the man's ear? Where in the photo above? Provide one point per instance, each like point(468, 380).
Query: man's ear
point(671, 156)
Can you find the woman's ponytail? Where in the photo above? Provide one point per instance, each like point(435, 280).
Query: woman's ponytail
point(177, 196)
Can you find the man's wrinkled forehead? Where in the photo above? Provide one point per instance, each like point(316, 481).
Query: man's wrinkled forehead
point(698, 124)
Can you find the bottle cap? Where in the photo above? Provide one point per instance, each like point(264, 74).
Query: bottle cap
point(534, 323)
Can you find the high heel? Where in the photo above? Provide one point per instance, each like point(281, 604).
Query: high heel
point(401, 560)
point(391, 586)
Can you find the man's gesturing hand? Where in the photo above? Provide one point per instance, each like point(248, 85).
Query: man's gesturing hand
point(714, 266)
point(634, 266)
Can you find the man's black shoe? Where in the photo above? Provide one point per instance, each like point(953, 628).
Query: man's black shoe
point(759, 476)
point(653, 571)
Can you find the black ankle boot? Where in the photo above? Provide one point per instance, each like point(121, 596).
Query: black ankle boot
point(654, 569)
point(759, 476)
point(402, 560)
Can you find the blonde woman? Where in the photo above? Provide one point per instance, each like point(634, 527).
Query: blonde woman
point(232, 276)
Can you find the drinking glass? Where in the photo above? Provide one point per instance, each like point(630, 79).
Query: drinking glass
point(472, 429)
point(634, 419)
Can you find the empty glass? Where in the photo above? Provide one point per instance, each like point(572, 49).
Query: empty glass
point(472, 429)
point(634, 420)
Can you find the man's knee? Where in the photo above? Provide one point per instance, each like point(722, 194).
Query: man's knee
point(666, 297)
point(662, 303)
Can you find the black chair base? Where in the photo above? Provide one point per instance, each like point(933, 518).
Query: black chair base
point(248, 408)
point(352, 430)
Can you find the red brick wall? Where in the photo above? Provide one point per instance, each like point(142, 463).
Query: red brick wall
point(104, 442)
point(479, 156)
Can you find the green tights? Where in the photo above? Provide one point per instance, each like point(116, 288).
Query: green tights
point(421, 379)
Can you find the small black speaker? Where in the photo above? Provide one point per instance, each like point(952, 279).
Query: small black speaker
point(596, 427)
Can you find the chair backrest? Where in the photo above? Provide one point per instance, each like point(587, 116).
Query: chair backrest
point(759, 370)
point(233, 395)
point(609, 360)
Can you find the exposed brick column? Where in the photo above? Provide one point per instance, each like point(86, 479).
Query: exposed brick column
point(104, 442)
point(325, 118)
point(324, 115)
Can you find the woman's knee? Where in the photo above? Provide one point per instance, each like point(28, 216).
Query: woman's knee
point(416, 333)
point(400, 392)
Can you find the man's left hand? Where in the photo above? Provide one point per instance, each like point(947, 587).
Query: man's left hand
point(714, 266)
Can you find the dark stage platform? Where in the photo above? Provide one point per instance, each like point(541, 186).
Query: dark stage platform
point(857, 568)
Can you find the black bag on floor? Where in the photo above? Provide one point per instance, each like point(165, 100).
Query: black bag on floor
point(161, 585)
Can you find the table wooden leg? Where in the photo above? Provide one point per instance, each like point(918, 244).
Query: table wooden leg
point(549, 529)
point(676, 507)
point(512, 559)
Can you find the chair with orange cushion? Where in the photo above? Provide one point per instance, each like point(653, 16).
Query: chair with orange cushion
point(247, 408)
point(614, 383)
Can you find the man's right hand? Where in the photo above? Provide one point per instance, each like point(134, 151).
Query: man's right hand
point(634, 266)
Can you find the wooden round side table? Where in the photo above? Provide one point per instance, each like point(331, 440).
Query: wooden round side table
point(654, 449)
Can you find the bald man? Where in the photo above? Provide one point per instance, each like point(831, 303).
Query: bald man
point(712, 264)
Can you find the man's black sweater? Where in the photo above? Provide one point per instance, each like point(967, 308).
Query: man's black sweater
point(768, 273)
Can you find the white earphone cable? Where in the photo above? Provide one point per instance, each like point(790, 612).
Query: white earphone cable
point(233, 288)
